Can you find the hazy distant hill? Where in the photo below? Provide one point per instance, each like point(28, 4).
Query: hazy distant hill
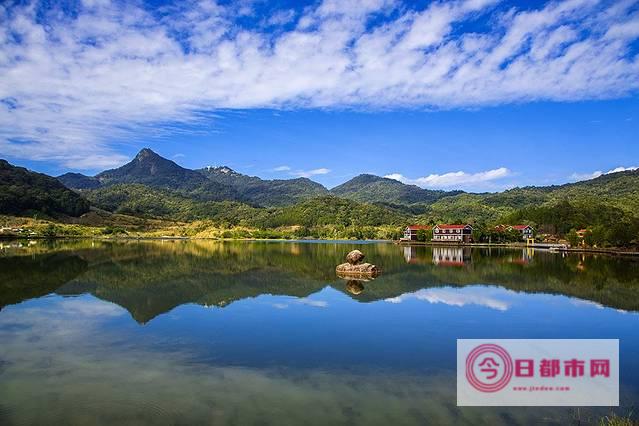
point(374, 189)
point(78, 181)
point(23, 191)
point(279, 192)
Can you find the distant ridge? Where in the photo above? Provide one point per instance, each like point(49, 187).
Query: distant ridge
point(79, 181)
point(277, 192)
point(369, 188)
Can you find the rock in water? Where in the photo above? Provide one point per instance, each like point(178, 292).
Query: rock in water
point(354, 257)
point(354, 267)
point(361, 269)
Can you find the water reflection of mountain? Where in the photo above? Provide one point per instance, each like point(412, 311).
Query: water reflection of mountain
point(28, 277)
point(151, 278)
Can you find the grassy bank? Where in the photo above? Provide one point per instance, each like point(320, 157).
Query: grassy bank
point(122, 226)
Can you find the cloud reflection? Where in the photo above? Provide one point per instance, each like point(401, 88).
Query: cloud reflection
point(458, 297)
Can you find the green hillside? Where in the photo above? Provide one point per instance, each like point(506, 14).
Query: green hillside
point(374, 189)
point(267, 193)
point(329, 210)
point(145, 201)
point(615, 189)
point(141, 200)
point(23, 192)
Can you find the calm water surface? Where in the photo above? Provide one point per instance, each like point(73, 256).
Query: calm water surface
point(174, 332)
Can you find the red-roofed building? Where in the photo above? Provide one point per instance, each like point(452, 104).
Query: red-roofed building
point(526, 231)
point(410, 233)
point(582, 233)
point(452, 233)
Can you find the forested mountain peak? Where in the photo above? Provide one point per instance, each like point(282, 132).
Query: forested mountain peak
point(150, 168)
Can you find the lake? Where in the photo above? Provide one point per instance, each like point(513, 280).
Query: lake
point(264, 333)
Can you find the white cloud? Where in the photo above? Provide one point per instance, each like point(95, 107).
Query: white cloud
point(90, 307)
point(72, 85)
point(282, 169)
point(454, 179)
point(622, 169)
point(585, 303)
point(597, 173)
point(458, 297)
point(281, 18)
point(302, 173)
point(314, 303)
point(310, 173)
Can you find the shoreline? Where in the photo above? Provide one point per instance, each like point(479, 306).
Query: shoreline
point(610, 251)
point(170, 237)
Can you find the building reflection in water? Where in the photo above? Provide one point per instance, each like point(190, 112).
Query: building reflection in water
point(451, 256)
point(415, 255)
point(523, 258)
point(441, 256)
point(410, 254)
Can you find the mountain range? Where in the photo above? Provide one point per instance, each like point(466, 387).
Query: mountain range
point(206, 184)
point(153, 186)
point(223, 183)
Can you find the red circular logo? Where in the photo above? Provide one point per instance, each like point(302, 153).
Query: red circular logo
point(489, 368)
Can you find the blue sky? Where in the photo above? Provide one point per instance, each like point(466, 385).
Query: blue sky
point(479, 95)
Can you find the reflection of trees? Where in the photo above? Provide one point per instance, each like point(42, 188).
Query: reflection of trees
point(152, 277)
point(27, 277)
point(156, 294)
point(607, 280)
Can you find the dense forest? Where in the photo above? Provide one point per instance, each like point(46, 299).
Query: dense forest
point(23, 192)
